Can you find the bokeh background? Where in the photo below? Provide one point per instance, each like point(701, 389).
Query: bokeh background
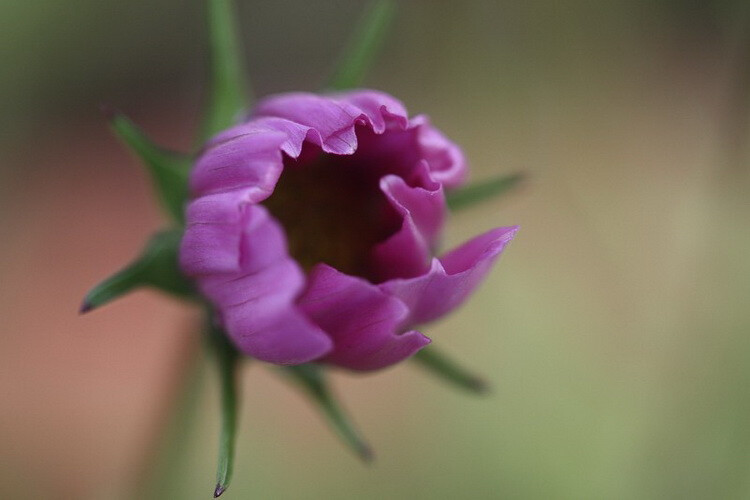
point(614, 330)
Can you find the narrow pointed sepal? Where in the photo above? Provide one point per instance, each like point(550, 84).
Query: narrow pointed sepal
point(440, 365)
point(476, 193)
point(361, 51)
point(311, 378)
point(219, 490)
point(229, 90)
point(156, 267)
point(168, 170)
point(227, 363)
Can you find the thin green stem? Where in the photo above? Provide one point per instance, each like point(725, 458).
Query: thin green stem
point(229, 91)
point(364, 46)
point(227, 359)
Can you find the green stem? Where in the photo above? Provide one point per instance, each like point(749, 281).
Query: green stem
point(227, 359)
point(363, 47)
point(229, 88)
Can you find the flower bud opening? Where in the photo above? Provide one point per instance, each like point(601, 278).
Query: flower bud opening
point(332, 208)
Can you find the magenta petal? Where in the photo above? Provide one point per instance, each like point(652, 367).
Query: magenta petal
point(379, 108)
point(452, 278)
point(257, 300)
point(362, 320)
point(407, 252)
point(246, 156)
point(329, 121)
point(211, 243)
point(332, 120)
point(447, 162)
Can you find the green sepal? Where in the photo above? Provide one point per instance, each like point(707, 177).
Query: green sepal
point(440, 365)
point(229, 91)
point(311, 378)
point(476, 193)
point(227, 363)
point(156, 267)
point(363, 47)
point(169, 170)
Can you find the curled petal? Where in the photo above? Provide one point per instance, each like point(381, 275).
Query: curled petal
point(407, 252)
point(362, 320)
point(247, 155)
point(331, 120)
point(447, 162)
point(333, 113)
point(378, 108)
point(451, 279)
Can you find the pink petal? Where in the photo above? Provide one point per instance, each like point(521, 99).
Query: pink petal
point(332, 113)
point(451, 279)
point(407, 253)
point(379, 108)
point(246, 156)
point(332, 120)
point(211, 243)
point(257, 301)
point(447, 162)
point(362, 320)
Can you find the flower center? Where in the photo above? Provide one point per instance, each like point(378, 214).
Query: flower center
point(332, 210)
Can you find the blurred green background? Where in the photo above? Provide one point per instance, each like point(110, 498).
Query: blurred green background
point(614, 330)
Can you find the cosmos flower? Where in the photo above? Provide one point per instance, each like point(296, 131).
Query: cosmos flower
point(314, 225)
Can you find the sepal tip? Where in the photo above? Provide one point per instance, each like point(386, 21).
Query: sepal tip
point(108, 111)
point(445, 368)
point(479, 386)
point(366, 453)
point(475, 194)
point(220, 488)
point(156, 267)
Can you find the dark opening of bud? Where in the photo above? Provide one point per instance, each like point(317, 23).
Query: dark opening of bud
point(332, 209)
